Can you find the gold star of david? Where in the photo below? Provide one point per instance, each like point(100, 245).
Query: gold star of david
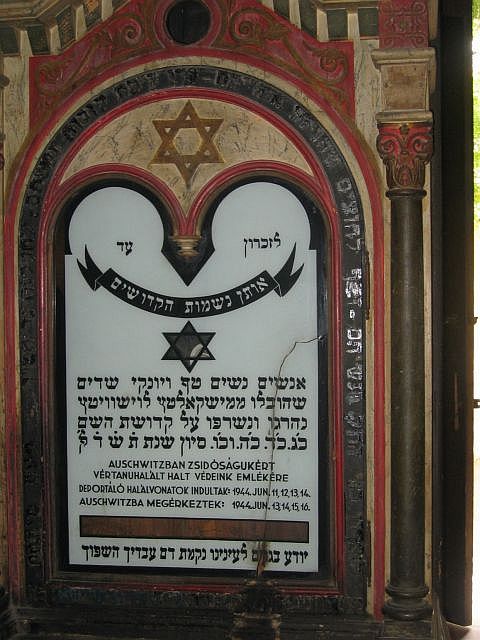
point(187, 163)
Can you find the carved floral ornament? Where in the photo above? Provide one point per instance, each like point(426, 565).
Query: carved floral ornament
point(403, 24)
point(405, 150)
point(137, 32)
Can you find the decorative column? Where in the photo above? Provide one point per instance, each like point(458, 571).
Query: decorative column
point(405, 149)
point(404, 143)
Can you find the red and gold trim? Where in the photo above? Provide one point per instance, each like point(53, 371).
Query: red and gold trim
point(405, 150)
point(403, 24)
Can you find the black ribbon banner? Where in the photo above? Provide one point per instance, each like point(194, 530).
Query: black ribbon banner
point(199, 307)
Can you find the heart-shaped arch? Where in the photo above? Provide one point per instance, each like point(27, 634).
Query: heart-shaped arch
point(349, 314)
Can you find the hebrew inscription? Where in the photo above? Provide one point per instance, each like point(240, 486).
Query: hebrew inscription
point(193, 410)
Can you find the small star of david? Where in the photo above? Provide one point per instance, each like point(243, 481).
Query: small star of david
point(187, 163)
point(188, 346)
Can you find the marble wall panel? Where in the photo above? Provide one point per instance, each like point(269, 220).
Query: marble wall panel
point(133, 139)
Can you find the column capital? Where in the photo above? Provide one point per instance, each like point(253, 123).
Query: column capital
point(405, 149)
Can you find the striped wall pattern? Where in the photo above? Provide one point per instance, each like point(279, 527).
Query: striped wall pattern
point(51, 33)
point(329, 20)
point(323, 19)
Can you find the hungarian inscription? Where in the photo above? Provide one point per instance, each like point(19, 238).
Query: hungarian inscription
point(353, 302)
point(193, 444)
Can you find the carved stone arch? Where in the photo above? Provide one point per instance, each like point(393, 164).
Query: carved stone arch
point(41, 588)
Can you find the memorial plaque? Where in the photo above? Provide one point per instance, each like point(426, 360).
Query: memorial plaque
point(196, 387)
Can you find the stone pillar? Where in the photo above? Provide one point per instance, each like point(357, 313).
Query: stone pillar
point(404, 143)
point(405, 149)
